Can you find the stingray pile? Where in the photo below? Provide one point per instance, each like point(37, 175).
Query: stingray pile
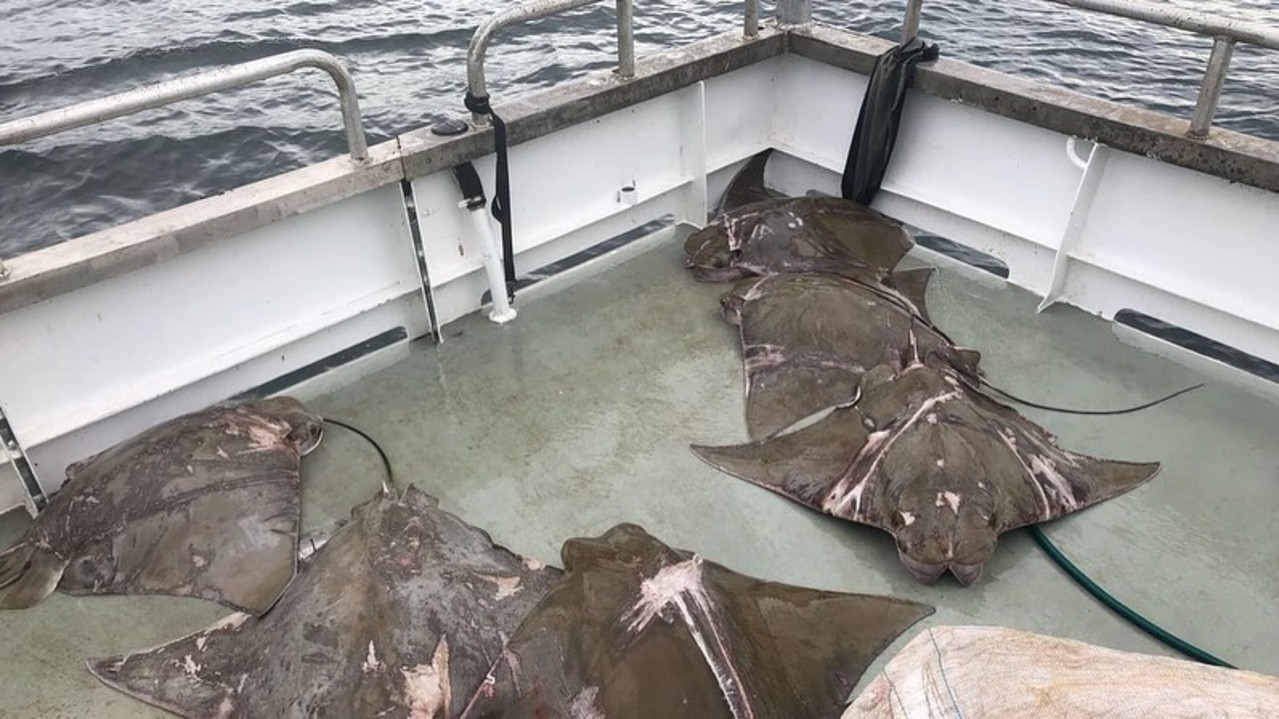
point(408, 611)
point(911, 443)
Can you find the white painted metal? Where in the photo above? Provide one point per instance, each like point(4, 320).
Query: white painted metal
point(567, 193)
point(86, 368)
point(1072, 153)
point(1093, 168)
point(739, 115)
point(1186, 247)
point(693, 153)
point(502, 311)
point(1183, 246)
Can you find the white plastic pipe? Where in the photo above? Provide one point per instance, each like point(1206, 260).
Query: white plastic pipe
point(502, 311)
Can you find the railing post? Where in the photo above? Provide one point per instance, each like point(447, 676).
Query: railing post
point(198, 84)
point(751, 27)
point(795, 12)
point(533, 10)
point(625, 39)
point(1210, 89)
point(910, 23)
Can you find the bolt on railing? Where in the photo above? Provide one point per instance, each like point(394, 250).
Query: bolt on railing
point(201, 83)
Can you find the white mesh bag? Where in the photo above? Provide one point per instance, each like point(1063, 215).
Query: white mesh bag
point(987, 672)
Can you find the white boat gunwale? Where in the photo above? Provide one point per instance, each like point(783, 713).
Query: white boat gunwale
point(72, 264)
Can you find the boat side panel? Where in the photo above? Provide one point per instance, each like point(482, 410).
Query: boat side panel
point(206, 324)
point(997, 171)
point(1185, 246)
point(566, 185)
point(1163, 239)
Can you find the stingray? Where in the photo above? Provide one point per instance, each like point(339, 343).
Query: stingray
point(936, 463)
point(997, 673)
point(400, 614)
point(747, 186)
point(204, 505)
point(807, 339)
point(792, 234)
point(638, 629)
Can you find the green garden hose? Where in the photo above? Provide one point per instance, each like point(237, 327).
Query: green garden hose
point(1119, 607)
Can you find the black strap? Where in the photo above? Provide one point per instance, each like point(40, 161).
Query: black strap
point(880, 116)
point(502, 196)
point(469, 182)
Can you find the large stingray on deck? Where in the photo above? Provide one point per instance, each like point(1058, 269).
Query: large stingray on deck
point(204, 505)
point(638, 629)
point(792, 234)
point(401, 614)
point(807, 339)
point(939, 465)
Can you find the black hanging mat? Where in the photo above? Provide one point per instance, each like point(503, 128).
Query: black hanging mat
point(881, 114)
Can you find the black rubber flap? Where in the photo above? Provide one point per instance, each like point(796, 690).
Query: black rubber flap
point(880, 116)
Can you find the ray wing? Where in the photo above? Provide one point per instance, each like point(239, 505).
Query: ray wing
point(400, 613)
point(747, 186)
point(941, 467)
point(204, 505)
point(845, 230)
point(802, 464)
point(638, 629)
point(233, 540)
point(807, 339)
point(1056, 481)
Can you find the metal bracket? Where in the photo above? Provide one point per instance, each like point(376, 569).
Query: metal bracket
point(1085, 194)
point(11, 452)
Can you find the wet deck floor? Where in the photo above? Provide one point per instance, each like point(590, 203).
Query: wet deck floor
point(579, 414)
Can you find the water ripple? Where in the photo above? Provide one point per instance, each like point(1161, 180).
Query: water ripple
point(408, 59)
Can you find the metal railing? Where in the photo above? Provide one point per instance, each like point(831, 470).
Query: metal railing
point(751, 25)
point(475, 81)
point(1223, 31)
point(202, 83)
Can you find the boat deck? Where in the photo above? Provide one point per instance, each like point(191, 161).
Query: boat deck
point(579, 414)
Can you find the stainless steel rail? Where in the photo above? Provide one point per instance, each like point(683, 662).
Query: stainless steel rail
point(537, 9)
point(794, 12)
point(751, 24)
point(202, 83)
point(1223, 31)
point(1196, 22)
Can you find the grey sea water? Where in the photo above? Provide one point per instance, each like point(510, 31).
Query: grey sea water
point(408, 63)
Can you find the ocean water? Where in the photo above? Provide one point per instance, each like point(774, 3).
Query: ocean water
point(408, 59)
